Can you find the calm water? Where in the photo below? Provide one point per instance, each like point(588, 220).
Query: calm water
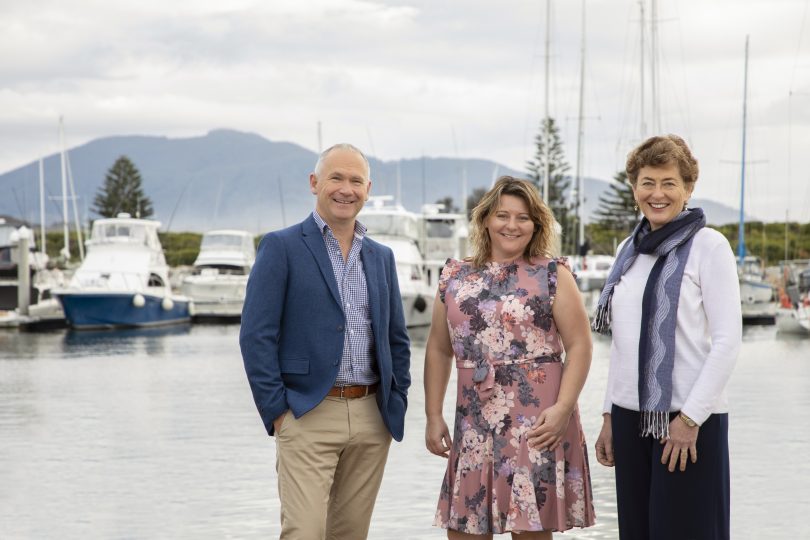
point(153, 434)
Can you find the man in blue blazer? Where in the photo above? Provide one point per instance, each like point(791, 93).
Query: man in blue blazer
point(327, 355)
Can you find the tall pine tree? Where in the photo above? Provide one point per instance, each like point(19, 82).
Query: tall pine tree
point(616, 211)
point(122, 192)
point(558, 181)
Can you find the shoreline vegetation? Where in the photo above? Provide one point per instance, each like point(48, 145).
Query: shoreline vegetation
point(766, 241)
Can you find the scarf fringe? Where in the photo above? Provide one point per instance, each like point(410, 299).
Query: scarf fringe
point(655, 424)
point(601, 319)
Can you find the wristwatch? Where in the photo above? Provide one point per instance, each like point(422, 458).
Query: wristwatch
point(686, 420)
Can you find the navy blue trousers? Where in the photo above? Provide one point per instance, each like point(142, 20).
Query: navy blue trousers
point(655, 504)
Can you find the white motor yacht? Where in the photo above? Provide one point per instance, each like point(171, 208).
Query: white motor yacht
point(124, 280)
point(442, 236)
point(219, 277)
point(390, 224)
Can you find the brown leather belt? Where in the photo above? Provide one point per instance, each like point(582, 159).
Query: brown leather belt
point(352, 392)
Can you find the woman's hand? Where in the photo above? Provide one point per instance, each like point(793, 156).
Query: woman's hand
point(604, 443)
point(682, 443)
point(550, 426)
point(437, 436)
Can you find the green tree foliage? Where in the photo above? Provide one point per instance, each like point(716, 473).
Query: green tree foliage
point(558, 181)
point(449, 207)
point(473, 199)
point(767, 240)
point(182, 248)
point(616, 208)
point(122, 192)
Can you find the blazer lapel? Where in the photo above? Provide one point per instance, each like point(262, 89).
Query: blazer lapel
point(313, 238)
point(371, 266)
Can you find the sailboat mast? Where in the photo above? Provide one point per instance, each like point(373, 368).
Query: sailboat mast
point(42, 207)
point(656, 113)
point(580, 133)
point(643, 133)
point(741, 229)
point(546, 121)
point(73, 198)
point(66, 248)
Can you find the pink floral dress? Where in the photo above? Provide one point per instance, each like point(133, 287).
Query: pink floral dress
point(508, 355)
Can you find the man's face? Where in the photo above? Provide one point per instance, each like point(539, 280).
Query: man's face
point(341, 186)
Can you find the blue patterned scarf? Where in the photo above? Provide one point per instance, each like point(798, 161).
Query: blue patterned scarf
point(659, 308)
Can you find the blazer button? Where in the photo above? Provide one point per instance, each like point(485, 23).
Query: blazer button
point(340, 328)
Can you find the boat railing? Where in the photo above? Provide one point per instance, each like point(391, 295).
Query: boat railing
point(110, 280)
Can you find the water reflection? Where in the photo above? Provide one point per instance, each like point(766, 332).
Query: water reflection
point(153, 434)
point(123, 341)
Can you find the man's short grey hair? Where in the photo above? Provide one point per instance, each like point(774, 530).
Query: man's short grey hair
point(341, 146)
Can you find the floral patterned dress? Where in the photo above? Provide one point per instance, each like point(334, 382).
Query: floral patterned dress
point(508, 355)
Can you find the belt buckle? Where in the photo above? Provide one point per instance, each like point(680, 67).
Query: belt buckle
point(342, 388)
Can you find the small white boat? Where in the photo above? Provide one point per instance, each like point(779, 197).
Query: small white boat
point(219, 277)
point(591, 271)
point(42, 311)
point(756, 294)
point(441, 236)
point(753, 287)
point(395, 227)
point(124, 280)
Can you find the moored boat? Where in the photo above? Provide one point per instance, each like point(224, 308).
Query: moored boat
point(395, 227)
point(442, 236)
point(219, 277)
point(124, 280)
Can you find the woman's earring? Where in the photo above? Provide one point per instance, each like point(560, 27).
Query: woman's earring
point(685, 208)
point(635, 207)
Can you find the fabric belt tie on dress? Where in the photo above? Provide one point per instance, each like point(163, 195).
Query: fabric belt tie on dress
point(353, 391)
point(484, 375)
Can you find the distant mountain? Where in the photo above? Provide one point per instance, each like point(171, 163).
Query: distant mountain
point(231, 179)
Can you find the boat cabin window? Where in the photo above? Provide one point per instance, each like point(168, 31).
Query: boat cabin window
point(155, 281)
point(120, 232)
point(439, 228)
point(211, 241)
point(220, 269)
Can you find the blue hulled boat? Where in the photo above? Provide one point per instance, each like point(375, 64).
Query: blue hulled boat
point(124, 280)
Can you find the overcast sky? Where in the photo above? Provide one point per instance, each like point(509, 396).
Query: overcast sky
point(410, 78)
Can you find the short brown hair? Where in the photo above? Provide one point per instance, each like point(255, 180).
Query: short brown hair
point(544, 239)
point(660, 151)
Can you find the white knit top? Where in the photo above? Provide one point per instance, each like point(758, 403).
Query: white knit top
point(707, 334)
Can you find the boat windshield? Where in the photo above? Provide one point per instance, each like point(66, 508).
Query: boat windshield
point(120, 232)
point(443, 228)
point(211, 241)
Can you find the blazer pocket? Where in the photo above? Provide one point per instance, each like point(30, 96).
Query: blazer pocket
point(296, 366)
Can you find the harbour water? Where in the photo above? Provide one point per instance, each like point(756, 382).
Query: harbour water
point(153, 434)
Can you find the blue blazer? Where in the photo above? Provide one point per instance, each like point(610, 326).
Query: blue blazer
point(293, 326)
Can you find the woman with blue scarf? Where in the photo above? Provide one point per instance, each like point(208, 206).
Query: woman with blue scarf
point(672, 306)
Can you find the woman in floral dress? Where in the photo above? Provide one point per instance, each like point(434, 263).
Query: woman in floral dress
point(517, 461)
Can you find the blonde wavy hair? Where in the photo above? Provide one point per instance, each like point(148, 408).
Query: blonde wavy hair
point(544, 239)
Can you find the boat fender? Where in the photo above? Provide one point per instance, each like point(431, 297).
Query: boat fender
point(138, 301)
point(419, 304)
point(167, 304)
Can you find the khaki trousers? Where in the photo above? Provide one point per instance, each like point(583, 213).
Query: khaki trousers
point(330, 465)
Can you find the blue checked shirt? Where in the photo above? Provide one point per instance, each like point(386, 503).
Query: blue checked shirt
point(357, 362)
